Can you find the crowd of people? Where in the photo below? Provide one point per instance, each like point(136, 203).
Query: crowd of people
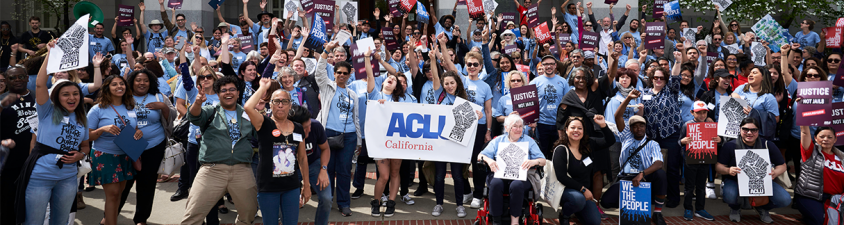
point(266, 131)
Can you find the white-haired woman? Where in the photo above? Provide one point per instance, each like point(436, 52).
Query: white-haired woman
point(504, 106)
point(514, 127)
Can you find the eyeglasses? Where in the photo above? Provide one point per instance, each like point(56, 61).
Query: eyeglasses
point(205, 77)
point(732, 60)
point(627, 37)
point(549, 64)
point(734, 25)
point(233, 90)
point(659, 78)
point(560, 30)
point(835, 60)
point(341, 73)
point(515, 80)
point(473, 64)
point(587, 25)
point(574, 57)
point(813, 75)
point(663, 64)
point(654, 66)
point(282, 101)
point(749, 130)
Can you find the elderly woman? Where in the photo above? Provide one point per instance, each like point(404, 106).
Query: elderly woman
point(728, 168)
point(504, 106)
point(812, 193)
point(513, 134)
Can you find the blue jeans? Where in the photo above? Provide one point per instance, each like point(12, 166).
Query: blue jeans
point(730, 193)
point(340, 167)
point(59, 193)
point(287, 202)
point(573, 202)
point(324, 195)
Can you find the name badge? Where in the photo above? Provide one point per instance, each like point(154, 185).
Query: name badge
point(297, 137)
point(66, 120)
point(473, 88)
point(647, 97)
point(587, 161)
point(245, 116)
point(711, 106)
point(93, 43)
point(509, 102)
point(33, 121)
point(131, 114)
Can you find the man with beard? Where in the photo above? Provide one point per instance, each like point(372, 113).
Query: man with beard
point(179, 31)
point(98, 42)
point(634, 30)
point(17, 105)
point(35, 38)
point(155, 35)
point(7, 39)
point(260, 30)
point(606, 30)
point(444, 24)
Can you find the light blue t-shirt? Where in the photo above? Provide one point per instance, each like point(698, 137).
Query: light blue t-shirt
point(341, 115)
point(551, 91)
point(66, 136)
point(810, 39)
point(295, 96)
point(233, 128)
point(685, 107)
point(478, 92)
point(765, 103)
point(572, 21)
point(155, 41)
point(100, 117)
point(237, 59)
point(428, 95)
point(122, 63)
point(180, 33)
point(614, 103)
point(359, 87)
point(448, 99)
point(102, 45)
point(164, 87)
point(190, 97)
point(330, 69)
point(296, 41)
point(149, 121)
point(504, 139)
point(440, 29)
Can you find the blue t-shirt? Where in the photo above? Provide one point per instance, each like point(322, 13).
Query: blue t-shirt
point(100, 117)
point(686, 107)
point(164, 87)
point(765, 103)
point(810, 39)
point(504, 139)
point(613, 105)
point(440, 29)
point(122, 63)
point(102, 45)
point(237, 59)
point(359, 87)
point(296, 41)
point(428, 95)
point(155, 41)
point(572, 21)
point(149, 121)
point(341, 115)
point(478, 92)
point(65, 136)
point(551, 91)
point(448, 99)
point(190, 97)
point(180, 33)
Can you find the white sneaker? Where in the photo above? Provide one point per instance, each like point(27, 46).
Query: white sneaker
point(477, 203)
point(383, 200)
point(461, 212)
point(407, 200)
point(438, 210)
point(466, 198)
point(710, 191)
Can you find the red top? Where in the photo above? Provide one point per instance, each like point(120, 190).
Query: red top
point(522, 16)
point(833, 171)
point(738, 80)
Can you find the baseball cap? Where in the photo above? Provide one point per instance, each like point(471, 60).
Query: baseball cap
point(722, 73)
point(478, 31)
point(698, 106)
point(588, 55)
point(636, 119)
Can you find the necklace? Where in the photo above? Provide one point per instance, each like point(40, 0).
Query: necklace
point(5, 42)
point(233, 118)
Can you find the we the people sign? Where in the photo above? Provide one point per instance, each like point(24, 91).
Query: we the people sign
point(701, 149)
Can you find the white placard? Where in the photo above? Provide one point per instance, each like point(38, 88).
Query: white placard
point(310, 64)
point(365, 44)
point(722, 4)
point(689, 34)
point(509, 159)
point(489, 6)
point(341, 37)
point(465, 122)
point(754, 178)
point(413, 131)
point(292, 6)
point(71, 51)
point(730, 115)
point(733, 48)
point(759, 52)
point(348, 12)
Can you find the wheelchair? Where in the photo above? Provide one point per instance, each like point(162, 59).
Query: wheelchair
point(531, 208)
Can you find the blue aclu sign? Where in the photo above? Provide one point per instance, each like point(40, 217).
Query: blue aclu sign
point(672, 11)
point(415, 126)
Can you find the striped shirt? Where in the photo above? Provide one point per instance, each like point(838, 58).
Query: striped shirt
point(645, 158)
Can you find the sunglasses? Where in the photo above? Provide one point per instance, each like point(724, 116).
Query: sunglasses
point(587, 25)
point(205, 77)
point(341, 73)
point(233, 90)
point(416, 33)
point(813, 75)
point(473, 65)
point(835, 60)
point(496, 60)
point(627, 37)
point(659, 78)
point(717, 39)
point(734, 25)
point(516, 80)
point(749, 130)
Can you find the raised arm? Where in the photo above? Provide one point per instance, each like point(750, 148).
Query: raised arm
point(433, 13)
point(805, 137)
point(411, 56)
point(97, 60)
point(220, 15)
point(386, 65)
point(142, 8)
point(619, 113)
point(114, 30)
point(434, 73)
point(403, 25)
point(246, 14)
point(448, 65)
point(787, 76)
point(370, 79)
point(138, 33)
point(301, 50)
point(254, 116)
point(224, 50)
point(41, 92)
point(167, 23)
point(675, 71)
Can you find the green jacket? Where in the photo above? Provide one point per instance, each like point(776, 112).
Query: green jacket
point(216, 145)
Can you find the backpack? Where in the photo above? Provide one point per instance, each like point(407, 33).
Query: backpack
point(160, 35)
point(835, 212)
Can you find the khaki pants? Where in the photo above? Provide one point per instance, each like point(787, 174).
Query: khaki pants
point(212, 182)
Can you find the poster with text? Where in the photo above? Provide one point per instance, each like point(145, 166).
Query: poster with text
point(526, 102)
point(394, 8)
point(722, 4)
point(292, 7)
point(422, 13)
point(507, 17)
point(509, 159)
point(588, 41)
point(509, 49)
point(246, 44)
point(658, 8)
point(533, 15)
point(814, 106)
point(839, 22)
point(464, 122)
point(838, 122)
point(711, 56)
point(476, 9)
point(758, 53)
point(389, 39)
point(359, 62)
point(730, 114)
point(635, 203)
point(349, 11)
point(318, 36)
point(307, 5)
point(833, 36)
point(461, 2)
point(125, 15)
point(689, 34)
point(610, 1)
point(701, 149)
point(672, 11)
point(655, 35)
point(563, 39)
point(407, 5)
point(174, 4)
point(754, 179)
point(70, 52)
point(543, 35)
point(325, 9)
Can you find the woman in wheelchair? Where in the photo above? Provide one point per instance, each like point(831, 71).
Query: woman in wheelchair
point(574, 168)
point(513, 127)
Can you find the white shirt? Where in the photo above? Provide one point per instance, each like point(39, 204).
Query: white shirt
point(606, 38)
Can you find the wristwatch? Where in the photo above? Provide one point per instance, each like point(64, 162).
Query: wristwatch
point(325, 167)
point(583, 190)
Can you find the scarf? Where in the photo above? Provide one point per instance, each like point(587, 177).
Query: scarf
point(624, 91)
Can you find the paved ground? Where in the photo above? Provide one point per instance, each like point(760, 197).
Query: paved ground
point(167, 212)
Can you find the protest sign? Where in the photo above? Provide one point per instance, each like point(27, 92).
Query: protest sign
point(389, 38)
point(413, 132)
point(476, 9)
point(833, 36)
point(635, 203)
point(366, 44)
point(359, 62)
point(758, 53)
point(722, 4)
point(610, 1)
point(310, 65)
point(769, 30)
point(509, 49)
point(407, 5)
point(509, 159)
point(543, 35)
point(70, 52)
point(350, 12)
point(292, 7)
point(526, 102)
point(588, 41)
point(174, 4)
point(563, 39)
point(672, 11)
point(658, 8)
point(839, 22)
point(246, 43)
point(215, 3)
point(422, 13)
point(325, 9)
point(533, 15)
point(733, 48)
point(506, 18)
point(655, 35)
point(813, 108)
point(342, 36)
point(702, 149)
point(318, 35)
point(125, 15)
point(730, 114)
point(307, 5)
point(463, 126)
point(838, 122)
point(461, 2)
point(711, 56)
point(394, 8)
point(839, 76)
point(754, 179)
point(489, 6)
point(689, 34)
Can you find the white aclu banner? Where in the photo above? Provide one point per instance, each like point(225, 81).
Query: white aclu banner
point(414, 131)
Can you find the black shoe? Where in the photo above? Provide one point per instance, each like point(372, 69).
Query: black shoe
point(358, 193)
point(229, 198)
point(376, 208)
point(179, 195)
point(391, 208)
point(658, 219)
point(564, 221)
point(497, 220)
point(420, 191)
point(672, 203)
point(223, 210)
point(91, 188)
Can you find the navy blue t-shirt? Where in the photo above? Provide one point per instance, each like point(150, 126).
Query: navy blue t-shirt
point(314, 139)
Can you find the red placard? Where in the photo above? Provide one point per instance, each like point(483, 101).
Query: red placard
point(407, 5)
point(840, 22)
point(701, 149)
point(476, 8)
point(543, 35)
point(833, 36)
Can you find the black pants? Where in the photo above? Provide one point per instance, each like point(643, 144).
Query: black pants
point(695, 185)
point(7, 191)
point(547, 135)
point(146, 179)
point(813, 210)
point(406, 174)
point(674, 161)
point(478, 173)
point(423, 183)
point(793, 153)
point(190, 168)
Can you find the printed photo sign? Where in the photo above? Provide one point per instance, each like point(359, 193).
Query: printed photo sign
point(125, 15)
point(509, 159)
point(292, 7)
point(702, 149)
point(722, 4)
point(489, 6)
point(349, 11)
point(758, 53)
point(655, 35)
point(771, 31)
point(814, 107)
point(635, 203)
point(730, 114)
point(526, 102)
point(754, 179)
point(464, 122)
point(689, 34)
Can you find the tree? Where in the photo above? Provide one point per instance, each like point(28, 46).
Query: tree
point(824, 11)
point(61, 10)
